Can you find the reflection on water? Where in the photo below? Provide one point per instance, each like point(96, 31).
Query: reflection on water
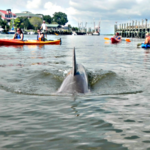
point(115, 115)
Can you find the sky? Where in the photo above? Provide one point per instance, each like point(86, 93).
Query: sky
point(107, 12)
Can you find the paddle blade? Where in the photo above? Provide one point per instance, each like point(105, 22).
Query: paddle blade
point(105, 38)
point(139, 44)
point(128, 40)
point(56, 33)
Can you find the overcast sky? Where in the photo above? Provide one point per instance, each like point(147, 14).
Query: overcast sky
point(106, 11)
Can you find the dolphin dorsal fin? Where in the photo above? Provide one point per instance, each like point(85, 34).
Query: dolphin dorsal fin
point(74, 68)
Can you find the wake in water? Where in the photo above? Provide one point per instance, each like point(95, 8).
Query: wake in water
point(46, 82)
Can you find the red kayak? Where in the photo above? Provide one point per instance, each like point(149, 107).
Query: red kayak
point(114, 40)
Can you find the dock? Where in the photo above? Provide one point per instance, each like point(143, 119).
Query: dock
point(133, 29)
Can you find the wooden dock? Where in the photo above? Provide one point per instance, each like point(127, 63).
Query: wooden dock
point(133, 29)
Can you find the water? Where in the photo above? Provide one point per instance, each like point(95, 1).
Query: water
point(113, 116)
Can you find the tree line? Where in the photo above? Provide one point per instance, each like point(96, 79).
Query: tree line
point(35, 22)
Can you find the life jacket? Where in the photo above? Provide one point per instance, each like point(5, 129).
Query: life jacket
point(42, 39)
point(117, 37)
point(18, 36)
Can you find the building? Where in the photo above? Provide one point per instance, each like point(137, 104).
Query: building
point(28, 14)
point(64, 28)
point(53, 26)
point(7, 15)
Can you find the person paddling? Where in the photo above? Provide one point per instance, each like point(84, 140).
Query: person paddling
point(116, 36)
point(40, 36)
point(147, 40)
point(19, 35)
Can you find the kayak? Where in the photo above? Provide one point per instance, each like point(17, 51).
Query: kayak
point(145, 45)
point(114, 40)
point(27, 42)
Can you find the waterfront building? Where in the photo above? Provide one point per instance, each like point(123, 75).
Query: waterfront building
point(52, 27)
point(28, 14)
point(7, 15)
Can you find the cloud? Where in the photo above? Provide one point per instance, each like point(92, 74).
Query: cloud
point(33, 4)
point(51, 8)
point(86, 11)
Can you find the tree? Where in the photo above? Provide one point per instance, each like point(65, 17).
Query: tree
point(75, 29)
point(17, 22)
point(60, 18)
point(69, 27)
point(47, 18)
point(3, 23)
point(36, 22)
point(27, 24)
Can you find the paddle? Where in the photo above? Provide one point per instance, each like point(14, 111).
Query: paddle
point(56, 33)
point(127, 40)
point(139, 44)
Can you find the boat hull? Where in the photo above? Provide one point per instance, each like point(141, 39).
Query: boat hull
point(145, 45)
point(28, 42)
point(97, 34)
point(114, 40)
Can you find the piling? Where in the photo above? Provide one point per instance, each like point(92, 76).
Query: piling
point(133, 29)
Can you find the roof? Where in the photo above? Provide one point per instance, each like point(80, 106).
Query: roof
point(52, 25)
point(27, 14)
point(5, 12)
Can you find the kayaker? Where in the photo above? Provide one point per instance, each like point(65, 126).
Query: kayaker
point(40, 35)
point(44, 28)
point(116, 36)
point(19, 35)
point(147, 40)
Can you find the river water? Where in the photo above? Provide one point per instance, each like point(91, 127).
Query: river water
point(114, 115)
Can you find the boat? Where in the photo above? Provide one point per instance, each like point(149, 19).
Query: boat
point(27, 42)
point(145, 45)
point(114, 40)
point(1, 30)
point(96, 33)
point(31, 32)
point(12, 31)
point(74, 33)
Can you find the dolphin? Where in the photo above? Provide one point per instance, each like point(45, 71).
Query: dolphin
point(76, 80)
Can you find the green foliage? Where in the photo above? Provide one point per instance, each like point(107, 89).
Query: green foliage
point(75, 29)
point(27, 24)
point(54, 23)
point(47, 18)
point(3, 23)
point(17, 23)
point(36, 22)
point(60, 18)
point(69, 27)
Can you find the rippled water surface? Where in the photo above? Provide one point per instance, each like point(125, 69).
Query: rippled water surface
point(115, 115)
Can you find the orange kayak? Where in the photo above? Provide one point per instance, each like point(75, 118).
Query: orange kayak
point(27, 42)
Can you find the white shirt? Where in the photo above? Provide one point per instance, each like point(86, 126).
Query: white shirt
point(43, 26)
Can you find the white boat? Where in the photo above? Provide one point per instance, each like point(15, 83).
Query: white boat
point(74, 33)
point(12, 31)
point(96, 33)
point(31, 32)
point(1, 30)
